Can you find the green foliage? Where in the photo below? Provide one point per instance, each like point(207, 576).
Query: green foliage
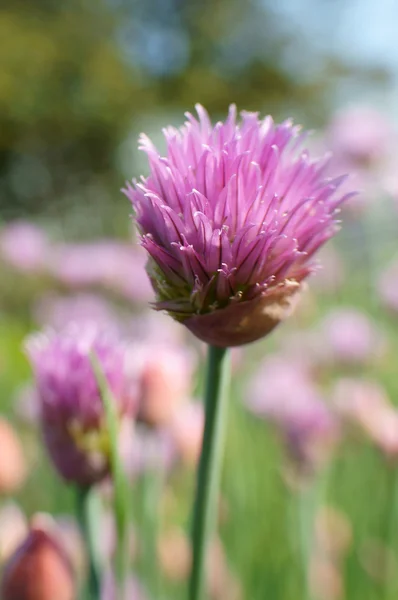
point(75, 75)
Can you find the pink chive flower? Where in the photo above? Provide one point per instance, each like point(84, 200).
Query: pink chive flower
point(164, 374)
point(351, 337)
point(24, 246)
point(58, 311)
point(71, 409)
point(231, 217)
point(39, 569)
point(283, 393)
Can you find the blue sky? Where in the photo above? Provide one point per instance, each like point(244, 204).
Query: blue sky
point(364, 31)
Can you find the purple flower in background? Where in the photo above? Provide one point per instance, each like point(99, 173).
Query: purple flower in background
point(361, 134)
point(365, 403)
point(230, 218)
point(24, 246)
point(71, 410)
point(164, 374)
point(283, 393)
point(39, 567)
point(351, 337)
point(362, 140)
point(56, 311)
point(108, 263)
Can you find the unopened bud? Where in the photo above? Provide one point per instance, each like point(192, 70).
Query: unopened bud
point(39, 568)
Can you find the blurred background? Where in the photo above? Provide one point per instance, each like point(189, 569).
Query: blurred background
point(311, 464)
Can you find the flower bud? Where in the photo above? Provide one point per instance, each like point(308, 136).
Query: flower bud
point(164, 381)
point(71, 408)
point(12, 462)
point(39, 568)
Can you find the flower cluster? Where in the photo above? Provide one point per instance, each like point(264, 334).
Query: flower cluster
point(231, 217)
point(71, 409)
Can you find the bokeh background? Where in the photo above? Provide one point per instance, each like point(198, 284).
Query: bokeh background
point(310, 475)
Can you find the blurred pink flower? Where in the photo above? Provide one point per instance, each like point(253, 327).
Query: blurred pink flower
point(281, 390)
point(186, 430)
point(284, 394)
point(361, 139)
point(164, 380)
point(39, 569)
point(305, 348)
point(71, 409)
point(13, 468)
point(56, 311)
point(362, 134)
point(24, 246)
point(108, 263)
point(231, 218)
point(351, 337)
point(366, 405)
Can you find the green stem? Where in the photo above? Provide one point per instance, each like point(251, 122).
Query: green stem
point(390, 587)
point(208, 482)
point(151, 489)
point(309, 499)
point(305, 511)
point(88, 515)
point(120, 484)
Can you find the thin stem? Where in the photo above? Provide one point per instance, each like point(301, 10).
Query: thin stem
point(208, 482)
point(120, 484)
point(305, 510)
point(151, 489)
point(88, 515)
point(390, 585)
point(309, 499)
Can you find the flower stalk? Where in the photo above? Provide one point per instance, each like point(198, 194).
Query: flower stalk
point(120, 487)
point(87, 512)
point(209, 471)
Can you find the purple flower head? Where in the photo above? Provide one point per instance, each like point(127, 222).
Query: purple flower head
point(24, 246)
point(283, 393)
point(230, 218)
point(57, 311)
point(105, 263)
point(351, 337)
point(361, 134)
point(71, 410)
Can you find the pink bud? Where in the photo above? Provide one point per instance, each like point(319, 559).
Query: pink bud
point(12, 462)
point(164, 382)
point(39, 569)
point(187, 431)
